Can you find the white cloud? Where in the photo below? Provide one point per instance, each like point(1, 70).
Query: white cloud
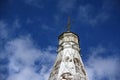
point(23, 54)
point(22, 57)
point(89, 15)
point(66, 6)
point(3, 29)
point(6, 28)
point(101, 66)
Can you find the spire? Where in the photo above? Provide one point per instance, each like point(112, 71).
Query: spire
point(68, 25)
point(68, 64)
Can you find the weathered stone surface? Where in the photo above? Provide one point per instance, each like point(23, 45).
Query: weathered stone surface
point(68, 64)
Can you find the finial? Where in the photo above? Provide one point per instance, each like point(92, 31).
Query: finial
point(68, 26)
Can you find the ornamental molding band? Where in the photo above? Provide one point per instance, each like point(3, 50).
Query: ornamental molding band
point(68, 64)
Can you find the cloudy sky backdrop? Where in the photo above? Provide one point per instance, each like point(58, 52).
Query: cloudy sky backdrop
point(29, 31)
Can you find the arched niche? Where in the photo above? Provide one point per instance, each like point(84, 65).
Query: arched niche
point(68, 59)
point(77, 64)
point(76, 61)
point(66, 76)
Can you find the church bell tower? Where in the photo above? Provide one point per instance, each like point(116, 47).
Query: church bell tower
point(68, 64)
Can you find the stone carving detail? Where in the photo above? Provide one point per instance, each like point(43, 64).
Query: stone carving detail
point(66, 76)
point(77, 64)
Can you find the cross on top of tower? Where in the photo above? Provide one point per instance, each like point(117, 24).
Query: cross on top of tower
point(68, 25)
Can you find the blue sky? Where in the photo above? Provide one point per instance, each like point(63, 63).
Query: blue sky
point(29, 31)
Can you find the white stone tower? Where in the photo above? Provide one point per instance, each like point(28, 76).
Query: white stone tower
point(68, 64)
